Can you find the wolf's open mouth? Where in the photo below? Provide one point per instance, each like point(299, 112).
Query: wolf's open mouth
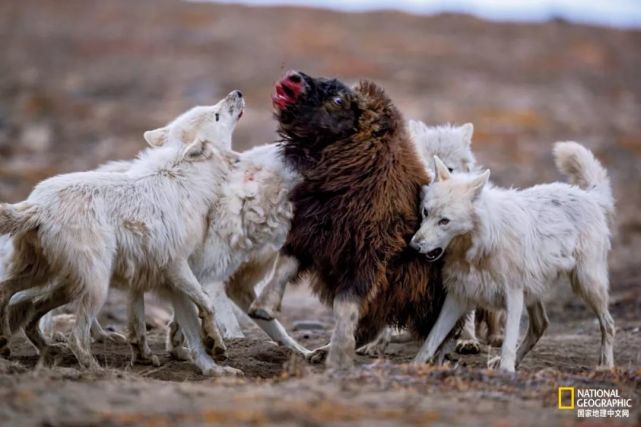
point(433, 255)
point(288, 90)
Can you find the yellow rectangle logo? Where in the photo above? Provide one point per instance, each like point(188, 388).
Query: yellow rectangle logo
point(566, 391)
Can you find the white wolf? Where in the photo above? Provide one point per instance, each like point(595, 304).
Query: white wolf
point(248, 224)
point(452, 144)
point(504, 248)
point(137, 228)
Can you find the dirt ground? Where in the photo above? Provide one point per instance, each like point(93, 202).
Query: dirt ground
point(80, 80)
point(279, 389)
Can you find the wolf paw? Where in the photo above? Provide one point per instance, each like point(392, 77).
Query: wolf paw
point(52, 354)
point(180, 353)
point(149, 359)
point(111, 337)
point(216, 349)
point(373, 349)
point(317, 356)
point(603, 368)
point(468, 347)
point(494, 363)
point(262, 313)
point(223, 371)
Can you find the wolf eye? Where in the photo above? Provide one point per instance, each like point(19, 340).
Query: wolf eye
point(338, 100)
point(217, 116)
point(425, 213)
point(444, 221)
point(450, 169)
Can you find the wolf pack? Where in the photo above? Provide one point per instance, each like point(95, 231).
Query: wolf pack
point(392, 224)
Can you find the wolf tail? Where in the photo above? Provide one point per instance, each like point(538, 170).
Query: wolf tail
point(584, 170)
point(17, 218)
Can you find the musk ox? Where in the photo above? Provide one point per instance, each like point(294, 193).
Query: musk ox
point(355, 210)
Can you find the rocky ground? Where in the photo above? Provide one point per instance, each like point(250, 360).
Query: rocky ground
point(81, 80)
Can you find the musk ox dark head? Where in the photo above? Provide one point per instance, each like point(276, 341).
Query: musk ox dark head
point(321, 111)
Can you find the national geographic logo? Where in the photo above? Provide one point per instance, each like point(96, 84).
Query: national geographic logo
point(566, 397)
point(594, 402)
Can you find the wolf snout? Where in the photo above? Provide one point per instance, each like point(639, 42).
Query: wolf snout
point(235, 95)
point(415, 244)
point(236, 103)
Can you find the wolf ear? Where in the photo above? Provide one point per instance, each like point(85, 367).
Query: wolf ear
point(476, 185)
point(157, 137)
point(442, 172)
point(198, 150)
point(468, 131)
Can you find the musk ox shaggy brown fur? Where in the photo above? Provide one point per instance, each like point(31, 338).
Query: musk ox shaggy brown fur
point(355, 210)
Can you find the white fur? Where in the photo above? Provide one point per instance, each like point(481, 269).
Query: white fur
point(137, 227)
point(504, 248)
point(248, 224)
point(452, 144)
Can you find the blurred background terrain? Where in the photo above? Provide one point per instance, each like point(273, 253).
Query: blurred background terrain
point(81, 80)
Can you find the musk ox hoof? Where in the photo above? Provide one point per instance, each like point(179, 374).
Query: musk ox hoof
point(468, 347)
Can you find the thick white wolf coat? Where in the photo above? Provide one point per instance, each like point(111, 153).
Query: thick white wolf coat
point(504, 248)
point(248, 223)
point(137, 228)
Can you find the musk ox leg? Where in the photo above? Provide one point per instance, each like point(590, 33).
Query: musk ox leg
point(267, 305)
point(343, 342)
point(450, 314)
point(468, 343)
